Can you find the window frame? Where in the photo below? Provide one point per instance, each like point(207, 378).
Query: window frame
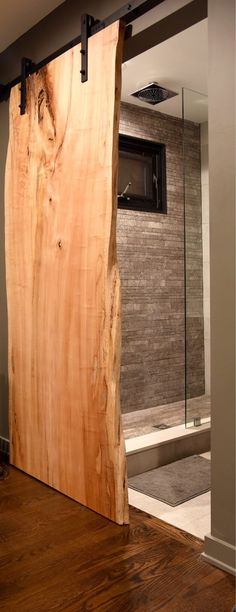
point(157, 152)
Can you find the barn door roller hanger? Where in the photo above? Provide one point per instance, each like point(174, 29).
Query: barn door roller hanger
point(89, 26)
point(27, 65)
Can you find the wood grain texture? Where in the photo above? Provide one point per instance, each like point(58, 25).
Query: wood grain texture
point(63, 287)
point(56, 555)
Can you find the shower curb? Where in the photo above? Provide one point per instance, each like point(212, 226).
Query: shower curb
point(155, 454)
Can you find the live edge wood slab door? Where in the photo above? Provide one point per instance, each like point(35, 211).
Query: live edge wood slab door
point(63, 287)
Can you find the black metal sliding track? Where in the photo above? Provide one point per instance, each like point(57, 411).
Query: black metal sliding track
point(89, 26)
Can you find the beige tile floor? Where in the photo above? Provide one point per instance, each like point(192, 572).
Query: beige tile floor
point(193, 516)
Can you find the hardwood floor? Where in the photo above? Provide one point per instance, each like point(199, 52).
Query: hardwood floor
point(57, 555)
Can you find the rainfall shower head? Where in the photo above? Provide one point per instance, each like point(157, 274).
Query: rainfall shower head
point(153, 93)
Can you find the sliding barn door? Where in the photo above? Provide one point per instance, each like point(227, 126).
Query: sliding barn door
point(63, 285)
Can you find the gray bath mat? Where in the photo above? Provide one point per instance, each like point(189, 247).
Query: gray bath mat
point(177, 482)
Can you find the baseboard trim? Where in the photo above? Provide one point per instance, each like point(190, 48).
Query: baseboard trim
point(4, 450)
point(219, 553)
point(219, 564)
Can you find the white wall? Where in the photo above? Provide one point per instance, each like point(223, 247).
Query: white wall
point(206, 253)
point(220, 544)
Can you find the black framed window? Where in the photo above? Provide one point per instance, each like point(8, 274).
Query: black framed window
point(142, 175)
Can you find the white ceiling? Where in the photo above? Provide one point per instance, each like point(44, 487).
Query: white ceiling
point(18, 17)
point(180, 61)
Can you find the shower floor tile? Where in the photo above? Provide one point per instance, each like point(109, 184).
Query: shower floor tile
point(146, 421)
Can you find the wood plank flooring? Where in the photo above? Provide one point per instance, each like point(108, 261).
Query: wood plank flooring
point(57, 555)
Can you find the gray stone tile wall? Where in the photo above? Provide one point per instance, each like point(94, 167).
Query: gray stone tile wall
point(151, 262)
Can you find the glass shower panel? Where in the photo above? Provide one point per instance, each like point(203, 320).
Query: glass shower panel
point(197, 264)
